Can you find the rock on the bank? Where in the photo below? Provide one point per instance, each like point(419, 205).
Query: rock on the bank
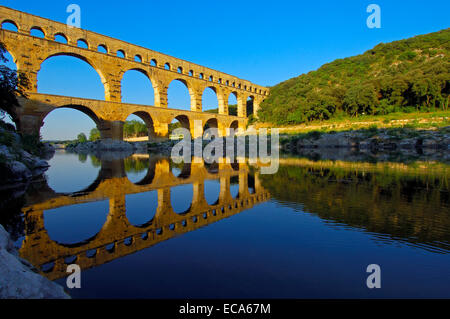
point(102, 145)
point(18, 280)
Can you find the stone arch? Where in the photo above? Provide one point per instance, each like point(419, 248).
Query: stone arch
point(179, 201)
point(234, 125)
point(121, 54)
point(152, 81)
point(39, 29)
point(106, 86)
point(180, 171)
point(138, 217)
point(9, 21)
point(150, 176)
point(149, 167)
point(213, 124)
point(148, 120)
point(102, 48)
point(232, 99)
point(250, 105)
point(220, 104)
point(13, 62)
point(61, 35)
point(184, 121)
point(211, 187)
point(81, 108)
point(192, 94)
point(82, 43)
point(84, 109)
point(251, 184)
point(65, 219)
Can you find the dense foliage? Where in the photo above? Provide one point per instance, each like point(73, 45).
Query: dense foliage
point(402, 76)
point(12, 84)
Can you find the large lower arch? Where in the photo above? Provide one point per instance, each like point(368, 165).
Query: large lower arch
point(148, 121)
point(210, 128)
point(180, 121)
point(76, 225)
point(63, 86)
point(65, 122)
point(234, 127)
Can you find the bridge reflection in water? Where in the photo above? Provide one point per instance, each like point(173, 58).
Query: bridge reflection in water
point(118, 237)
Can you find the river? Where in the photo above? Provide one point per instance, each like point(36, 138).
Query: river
point(145, 227)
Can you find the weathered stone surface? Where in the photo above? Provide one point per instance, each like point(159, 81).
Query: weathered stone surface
point(18, 280)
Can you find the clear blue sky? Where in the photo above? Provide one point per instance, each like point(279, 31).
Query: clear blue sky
point(263, 41)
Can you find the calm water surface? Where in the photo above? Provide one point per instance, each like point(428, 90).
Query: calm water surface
point(144, 227)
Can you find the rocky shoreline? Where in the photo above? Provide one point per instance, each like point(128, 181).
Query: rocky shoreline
point(17, 166)
point(409, 142)
point(372, 139)
point(19, 279)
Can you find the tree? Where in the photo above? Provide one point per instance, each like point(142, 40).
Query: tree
point(94, 135)
point(361, 99)
point(12, 85)
point(81, 138)
point(392, 77)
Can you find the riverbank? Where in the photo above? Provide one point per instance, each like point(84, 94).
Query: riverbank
point(22, 159)
point(19, 279)
point(408, 141)
point(374, 139)
point(18, 169)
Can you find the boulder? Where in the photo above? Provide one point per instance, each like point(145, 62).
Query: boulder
point(19, 281)
point(19, 171)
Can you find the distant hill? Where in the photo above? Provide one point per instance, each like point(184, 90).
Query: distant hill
point(402, 76)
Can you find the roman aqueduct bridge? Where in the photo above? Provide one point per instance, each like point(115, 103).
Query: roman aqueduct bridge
point(112, 58)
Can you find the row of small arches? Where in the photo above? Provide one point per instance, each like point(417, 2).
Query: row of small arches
point(103, 48)
point(60, 222)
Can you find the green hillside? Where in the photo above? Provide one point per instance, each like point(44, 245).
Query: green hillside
point(403, 76)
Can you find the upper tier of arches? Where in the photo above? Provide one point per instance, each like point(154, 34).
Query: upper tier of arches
point(26, 24)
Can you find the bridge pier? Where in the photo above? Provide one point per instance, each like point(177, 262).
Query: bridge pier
point(161, 132)
point(111, 130)
point(29, 124)
point(112, 169)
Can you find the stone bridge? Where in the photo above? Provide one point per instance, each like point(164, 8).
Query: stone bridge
point(118, 237)
point(112, 58)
